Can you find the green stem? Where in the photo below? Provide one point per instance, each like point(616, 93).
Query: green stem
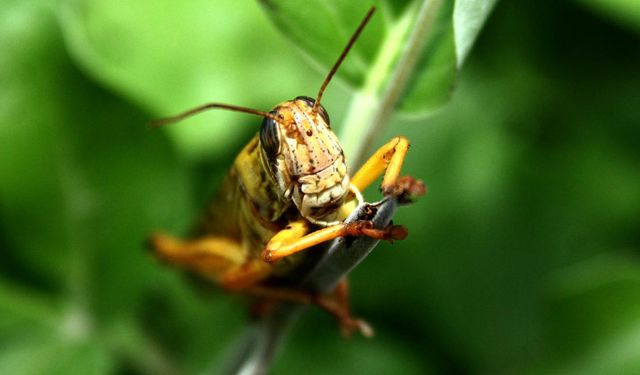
point(369, 113)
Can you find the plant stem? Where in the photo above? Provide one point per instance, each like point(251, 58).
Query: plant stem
point(368, 114)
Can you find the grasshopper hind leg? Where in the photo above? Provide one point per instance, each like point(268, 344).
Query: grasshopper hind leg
point(336, 304)
point(221, 260)
point(209, 256)
point(216, 258)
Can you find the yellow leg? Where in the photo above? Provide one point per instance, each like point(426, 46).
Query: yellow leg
point(245, 276)
point(208, 256)
point(216, 258)
point(294, 240)
point(388, 158)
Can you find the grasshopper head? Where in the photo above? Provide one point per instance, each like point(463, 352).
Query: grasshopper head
point(305, 158)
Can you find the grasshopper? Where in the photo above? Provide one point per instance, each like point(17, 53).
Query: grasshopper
point(287, 191)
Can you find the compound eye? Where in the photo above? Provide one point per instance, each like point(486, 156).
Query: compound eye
point(269, 137)
point(321, 111)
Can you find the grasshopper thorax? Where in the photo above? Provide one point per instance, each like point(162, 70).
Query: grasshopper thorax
point(305, 159)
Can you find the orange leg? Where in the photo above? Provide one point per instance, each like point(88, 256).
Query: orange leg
point(221, 260)
point(208, 256)
point(245, 276)
point(342, 299)
point(288, 242)
point(337, 305)
point(388, 159)
point(217, 258)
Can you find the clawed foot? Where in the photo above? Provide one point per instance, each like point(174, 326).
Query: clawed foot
point(406, 189)
point(365, 228)
point(350, 325)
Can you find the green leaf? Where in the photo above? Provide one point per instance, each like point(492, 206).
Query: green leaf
point(173, 55)
point(441, 41)
point(432, 81)
point(468, 18)
point(89, 202)
point(322, 28)
point(82, 182)
point(29, 145)
point(624, 12)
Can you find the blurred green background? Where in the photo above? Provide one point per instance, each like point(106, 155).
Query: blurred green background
point(523, 257)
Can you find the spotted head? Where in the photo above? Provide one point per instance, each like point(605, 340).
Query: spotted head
point(305, 158)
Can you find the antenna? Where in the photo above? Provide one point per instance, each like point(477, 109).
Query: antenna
point(344, 53)
point(332, 72)
point(194, 111)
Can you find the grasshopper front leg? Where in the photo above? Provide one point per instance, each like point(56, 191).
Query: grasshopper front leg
point(294, 238)
point(389, 159)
